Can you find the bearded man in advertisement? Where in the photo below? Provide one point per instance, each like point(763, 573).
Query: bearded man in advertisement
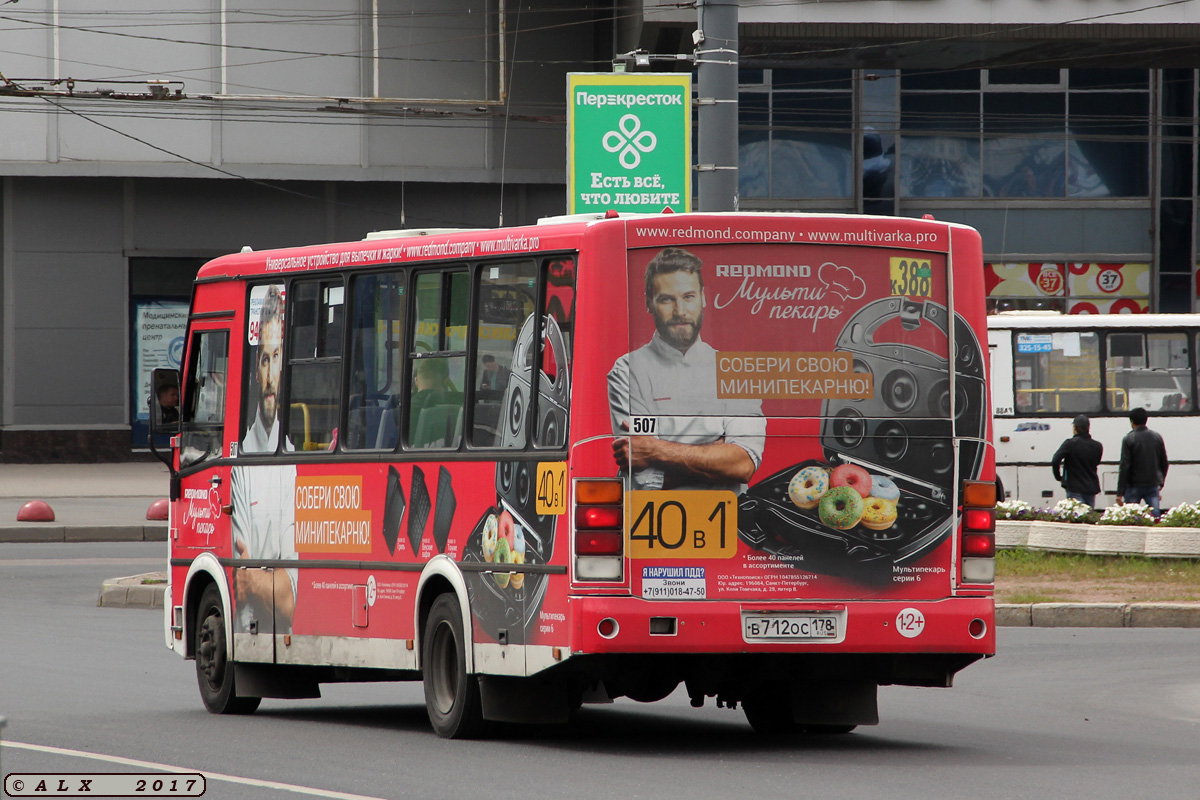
point(699, 441)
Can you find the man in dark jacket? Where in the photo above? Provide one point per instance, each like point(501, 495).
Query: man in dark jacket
point(1143, 464)
point(1078, 457)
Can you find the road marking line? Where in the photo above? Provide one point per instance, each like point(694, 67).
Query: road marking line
point(79, 562)
point(216, 776)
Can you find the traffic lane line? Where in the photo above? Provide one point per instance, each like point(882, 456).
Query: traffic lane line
point(171, 768)
point(81, 562)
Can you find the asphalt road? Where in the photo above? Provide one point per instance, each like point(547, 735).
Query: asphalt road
point(1095, 713)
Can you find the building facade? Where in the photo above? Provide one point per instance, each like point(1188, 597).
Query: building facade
point(136, 143)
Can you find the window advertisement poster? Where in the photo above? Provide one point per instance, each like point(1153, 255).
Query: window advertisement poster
point(1087, 287)
point(787, 420)
point(629, 142)
point(159, 327)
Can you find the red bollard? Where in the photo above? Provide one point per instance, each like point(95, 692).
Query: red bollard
point(158, 509)
point(36, 511)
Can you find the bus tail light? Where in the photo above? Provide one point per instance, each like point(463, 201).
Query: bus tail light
point(599, 529)
point(978, 536)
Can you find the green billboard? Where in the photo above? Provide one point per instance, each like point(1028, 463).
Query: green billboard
point(629, 142)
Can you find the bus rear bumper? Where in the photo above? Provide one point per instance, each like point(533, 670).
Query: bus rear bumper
point(962, 625)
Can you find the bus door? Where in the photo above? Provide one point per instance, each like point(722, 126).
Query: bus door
point(201, 518)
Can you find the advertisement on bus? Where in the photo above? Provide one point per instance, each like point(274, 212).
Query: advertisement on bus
point(784, 417)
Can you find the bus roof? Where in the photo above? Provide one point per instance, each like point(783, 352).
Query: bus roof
point(564, 233)
point(1051, 321)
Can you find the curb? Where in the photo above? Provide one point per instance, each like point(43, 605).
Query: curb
point(41, 532)
point(1098, 615)
point(133, 592)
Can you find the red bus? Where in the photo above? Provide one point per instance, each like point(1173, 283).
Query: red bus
point(597, 457)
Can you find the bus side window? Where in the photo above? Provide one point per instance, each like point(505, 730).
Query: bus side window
point(316, 364)
point(554, 387)
point(1150, 371)
point(1057, 373)
point(435, 404)
point(376, 362)
point(507, 298)
point(204, 410)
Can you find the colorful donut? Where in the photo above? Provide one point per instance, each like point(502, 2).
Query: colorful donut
point(490, 536)
point(841, 507)
point(807, 486)
point(853, 476)
point(878, 514)
point(503, 556)
point(885, 489)
point(517, 580)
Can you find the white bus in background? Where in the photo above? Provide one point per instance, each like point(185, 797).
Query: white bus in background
point(1047, 368)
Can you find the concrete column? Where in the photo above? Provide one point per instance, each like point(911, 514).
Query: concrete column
point(717, 82)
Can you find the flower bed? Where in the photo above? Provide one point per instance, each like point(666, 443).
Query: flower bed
point(1119, 530)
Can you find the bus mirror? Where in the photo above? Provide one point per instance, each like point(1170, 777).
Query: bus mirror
point(164, 401)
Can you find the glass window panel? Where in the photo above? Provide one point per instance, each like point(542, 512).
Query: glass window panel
point(1177, 168)
point(808, 110)
point(954, 113)
point(1150, 371)
point(459, 312)
point(315, 379)
point(376, 358)
point(812, 79)
point(750, 77)
point(939, 166)
point(435, 406)
point(806, 159)
point(1110, 152)
point(204, 412)
point(313, 411)
point(1064, 379)
point(507, 298)
point(1109, 78)
point(1175, 236)
point(1022, 112)
point(1110, 113)
point(1175, 293)
point(1178, 95)
point(1023, 77)
point(754, 153)
point(1024, 167)
point(427, 322)
point(939, 80)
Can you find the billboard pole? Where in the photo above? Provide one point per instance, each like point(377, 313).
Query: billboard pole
point(716, 40)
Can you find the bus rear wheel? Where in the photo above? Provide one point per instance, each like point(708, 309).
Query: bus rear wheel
point(214, 671)
point(451, 693)
point(769, 711)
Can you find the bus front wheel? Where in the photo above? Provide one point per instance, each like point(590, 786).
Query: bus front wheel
point(451, 693)
point(214, 671)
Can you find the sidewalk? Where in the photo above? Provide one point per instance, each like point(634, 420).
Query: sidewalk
point(91, 502)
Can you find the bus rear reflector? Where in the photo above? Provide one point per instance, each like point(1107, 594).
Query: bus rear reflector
point(599, 543)
point(593, 517)
point(599, 493)
point(979, 545)
point(979, 493)
point(979, 519)
point(599, 533)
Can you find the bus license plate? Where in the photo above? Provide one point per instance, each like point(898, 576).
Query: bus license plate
point(789, 627)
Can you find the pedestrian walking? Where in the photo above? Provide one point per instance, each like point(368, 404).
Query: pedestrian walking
point(1076, 461)
point(1143, 464)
